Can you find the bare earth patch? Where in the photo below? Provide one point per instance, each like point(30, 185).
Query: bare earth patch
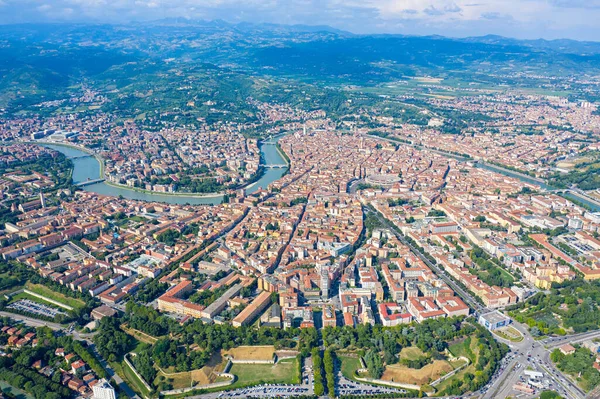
point(204, 376)
point(259, 353)
point(431, 372)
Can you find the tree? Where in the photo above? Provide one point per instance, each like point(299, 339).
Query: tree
point(535, 331)
point(328, 363)
point(111, 341)
point(374, 364)
point(550, 395)
point(318, 373)
point(556, 356)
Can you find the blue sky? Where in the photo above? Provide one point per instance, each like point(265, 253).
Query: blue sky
point(550, 19)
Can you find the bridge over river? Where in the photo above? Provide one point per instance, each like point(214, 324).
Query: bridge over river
point(88, 182)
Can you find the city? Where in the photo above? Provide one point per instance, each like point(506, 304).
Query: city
point(232, 228)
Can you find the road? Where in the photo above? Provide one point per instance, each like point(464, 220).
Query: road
point(534, 355)
point(54, 326)
point(32, 322)
point(555, 342)
point(111, 373)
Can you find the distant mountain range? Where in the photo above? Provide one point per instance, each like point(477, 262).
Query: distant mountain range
point(558, 45)
point(43, 60)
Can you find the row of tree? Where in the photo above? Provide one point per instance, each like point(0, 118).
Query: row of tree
point(329, 365)
point(319, 387)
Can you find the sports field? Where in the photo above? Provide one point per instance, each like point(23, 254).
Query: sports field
point(255, 374)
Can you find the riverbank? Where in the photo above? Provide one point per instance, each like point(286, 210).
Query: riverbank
point(75, 147)
point(91, 167)
point(150, 192)
point(122, 186)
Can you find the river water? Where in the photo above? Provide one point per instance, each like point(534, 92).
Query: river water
point(88, 168)
point(577, 199)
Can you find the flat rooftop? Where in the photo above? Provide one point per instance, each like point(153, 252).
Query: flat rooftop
point(494, 317)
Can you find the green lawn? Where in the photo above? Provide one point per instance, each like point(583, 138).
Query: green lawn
point(256, 374)
point(349, 366)
point(129, 376)
point(510, 335)
point(411, 353)
point(462, 349)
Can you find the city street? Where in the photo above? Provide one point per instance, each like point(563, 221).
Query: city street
point(529, 354)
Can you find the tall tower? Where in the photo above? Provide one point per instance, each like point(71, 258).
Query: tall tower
point(325, 282)
point(42, 199)
point(304, 128)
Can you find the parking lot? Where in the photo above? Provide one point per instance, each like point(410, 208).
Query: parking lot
point(26, 305)
point(266, 391)
point(362, 389)
point(348, 387)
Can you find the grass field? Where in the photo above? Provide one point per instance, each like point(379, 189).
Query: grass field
point(349, 366)
point(411, 353)
point(431, 372)
point(251, 352)
point(177, 380)
point(464, 348)
point(509, 333)
point(55, 296)
point(129, 376)
point(255, 374)
point(468, 349)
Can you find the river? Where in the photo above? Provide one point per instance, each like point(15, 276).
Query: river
point(88, 168)
point(575, 198)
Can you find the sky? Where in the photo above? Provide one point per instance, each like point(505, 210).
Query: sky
point(523, 19)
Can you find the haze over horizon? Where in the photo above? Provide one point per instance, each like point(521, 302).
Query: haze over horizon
point(521, 19)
